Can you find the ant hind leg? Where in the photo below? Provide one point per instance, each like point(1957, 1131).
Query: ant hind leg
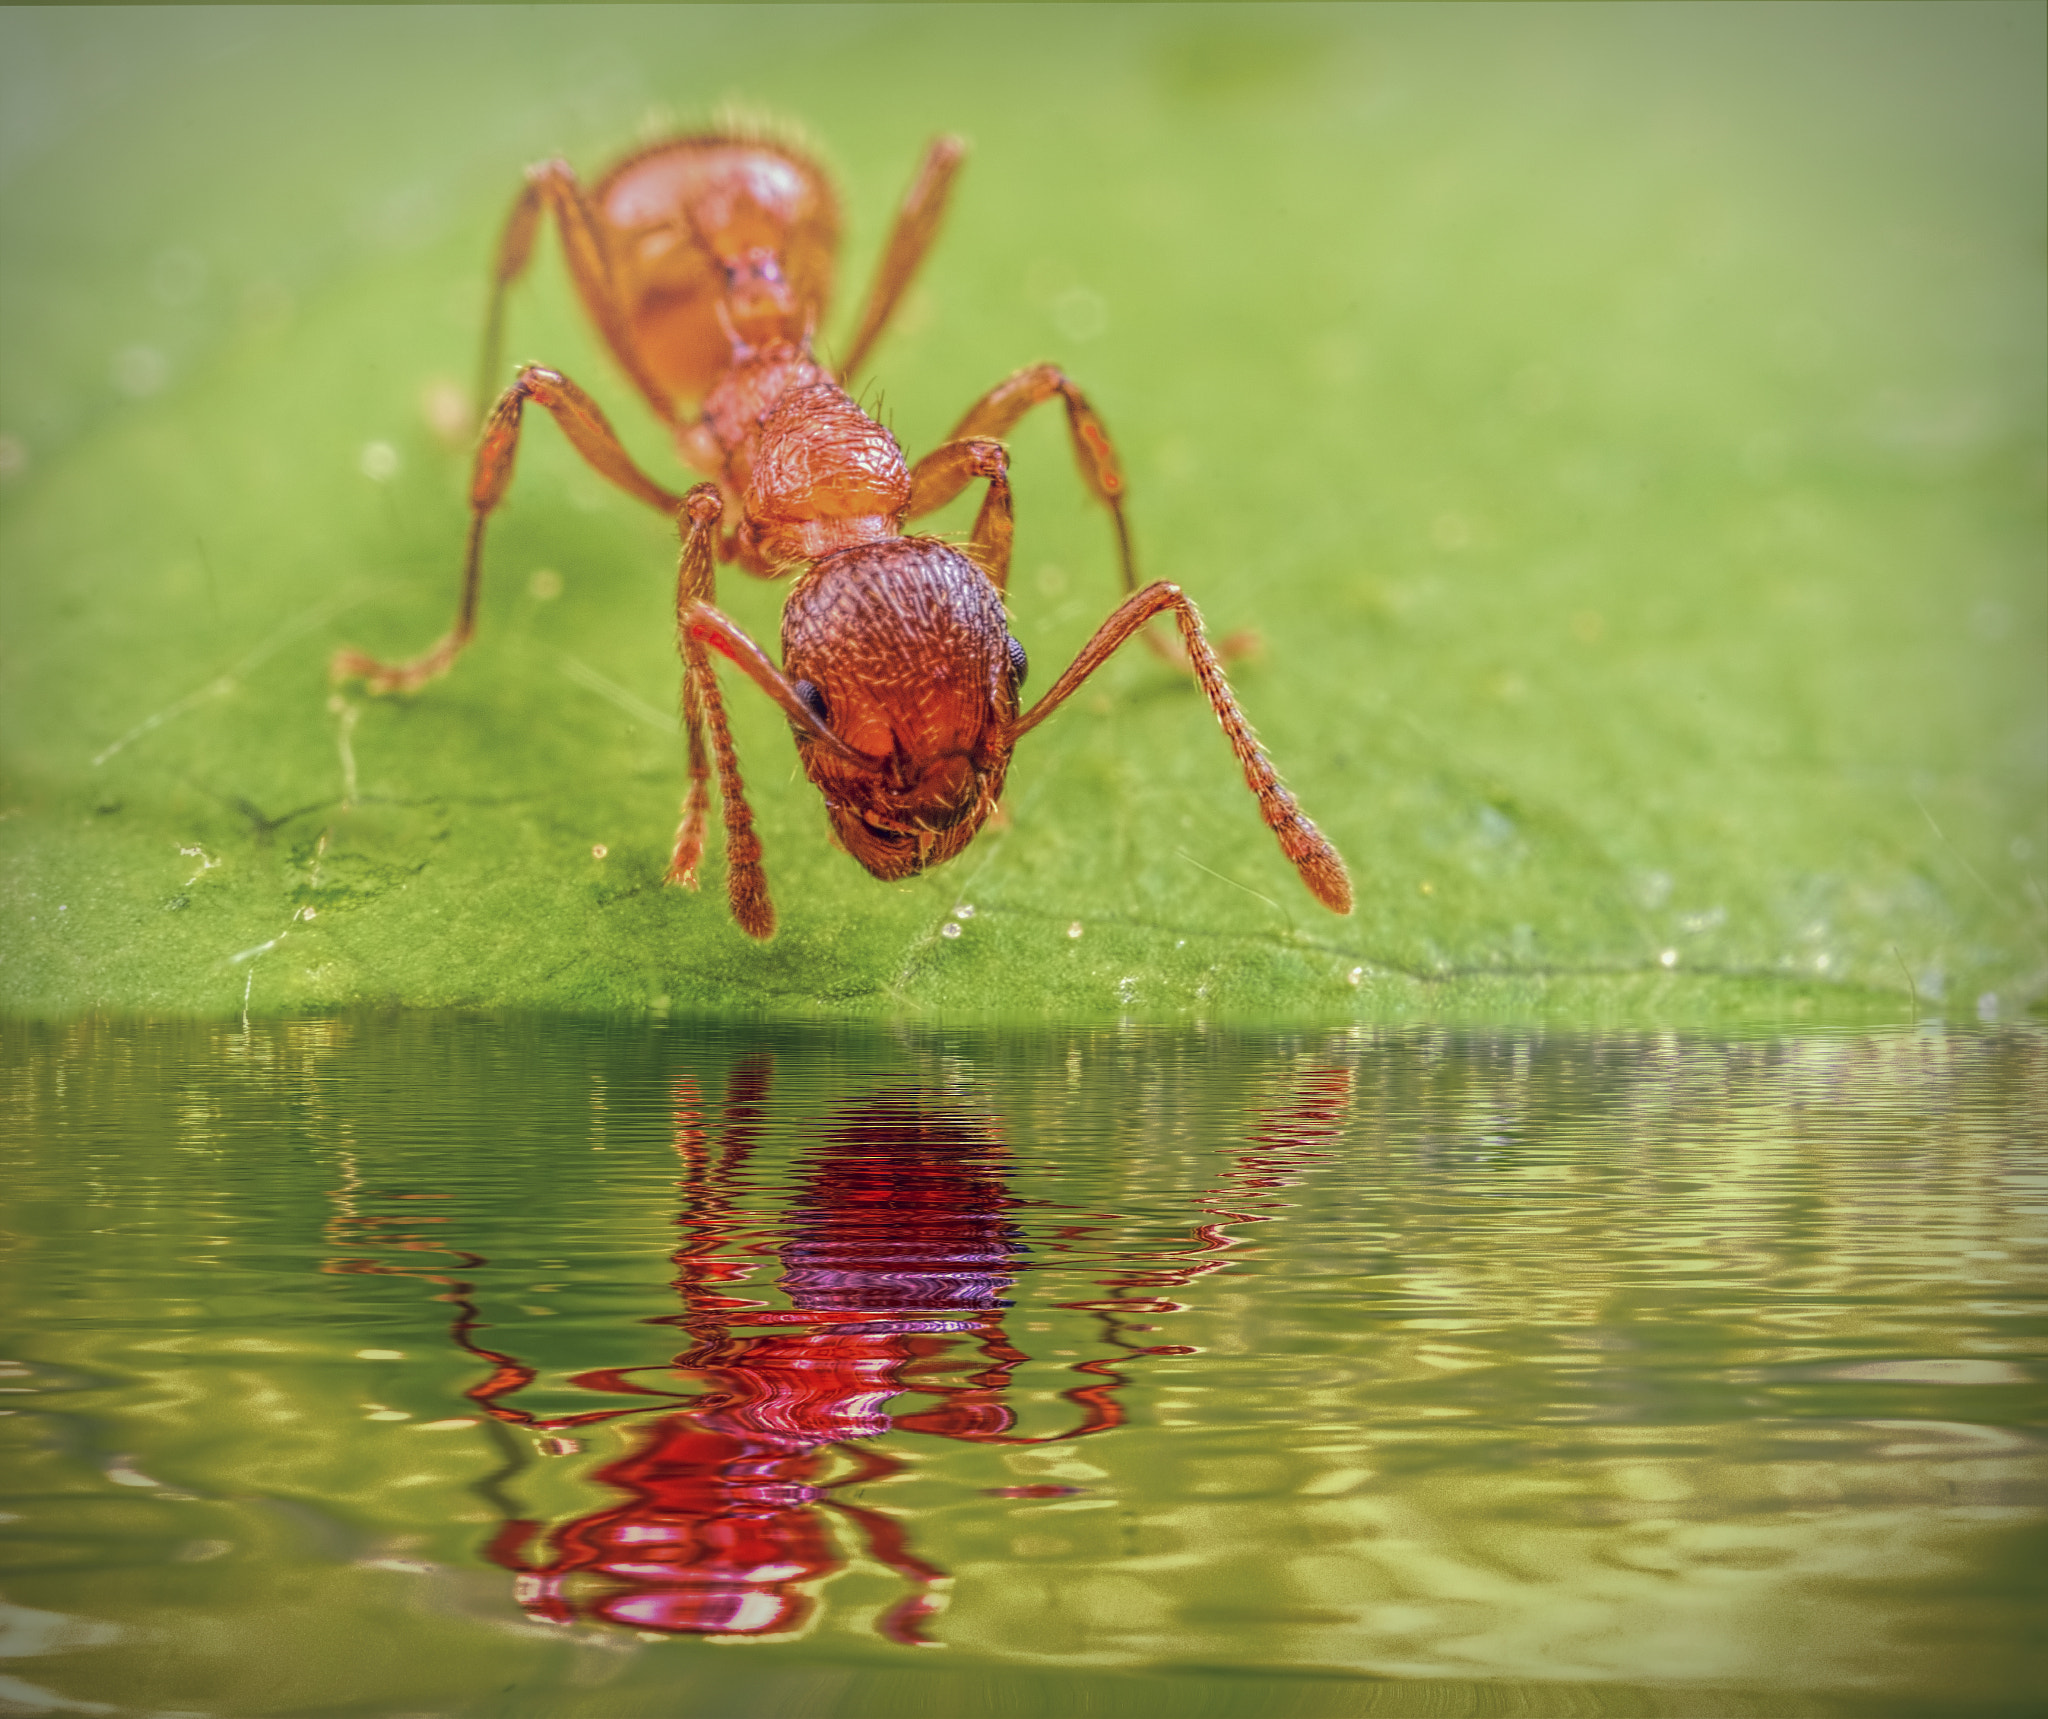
point(917, 224)
point(552, 186)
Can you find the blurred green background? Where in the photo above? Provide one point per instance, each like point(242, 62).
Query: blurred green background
point(1624, 426)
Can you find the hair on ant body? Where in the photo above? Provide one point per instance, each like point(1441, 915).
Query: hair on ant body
point(706, 264)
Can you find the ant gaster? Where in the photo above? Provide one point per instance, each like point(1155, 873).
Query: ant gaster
point(706, 264)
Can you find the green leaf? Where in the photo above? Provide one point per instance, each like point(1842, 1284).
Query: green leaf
point(1624, 428)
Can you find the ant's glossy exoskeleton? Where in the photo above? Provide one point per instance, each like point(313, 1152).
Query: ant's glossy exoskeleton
point(706, 264)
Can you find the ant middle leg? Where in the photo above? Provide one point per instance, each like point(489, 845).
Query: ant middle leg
point(933, 484)
point(1306, 848)
point(589, 433)
point(998, 411)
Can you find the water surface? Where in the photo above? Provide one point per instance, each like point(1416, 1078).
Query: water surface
point(448, 1365)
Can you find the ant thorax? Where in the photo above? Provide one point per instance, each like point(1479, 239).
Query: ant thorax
point(825, 476)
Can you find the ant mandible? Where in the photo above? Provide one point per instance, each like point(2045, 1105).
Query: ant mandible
point(706, 264)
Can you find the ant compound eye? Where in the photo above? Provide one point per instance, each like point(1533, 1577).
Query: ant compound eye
point(811, 699)
point(1020, 665)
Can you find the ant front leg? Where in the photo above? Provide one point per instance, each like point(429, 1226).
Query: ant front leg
point(746, 884)
point(704, 508)
point(552, 186)
point(917, 224)
point(701, 629)
point(1305, 846)
point(589, 433)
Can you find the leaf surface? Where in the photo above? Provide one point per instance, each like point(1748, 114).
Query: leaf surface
point(1624, 431)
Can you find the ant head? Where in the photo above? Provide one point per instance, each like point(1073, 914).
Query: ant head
point(897, 832)
point(899, 647)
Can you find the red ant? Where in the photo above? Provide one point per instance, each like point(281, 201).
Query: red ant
point(706, 264)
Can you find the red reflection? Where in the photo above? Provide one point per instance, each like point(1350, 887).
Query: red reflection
point(896, 1254)
point(1288, 1143)
point(898, 1250)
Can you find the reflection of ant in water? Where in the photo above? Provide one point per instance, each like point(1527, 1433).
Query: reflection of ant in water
point(900, 1250)
point(897, 1246)
point(706, 264)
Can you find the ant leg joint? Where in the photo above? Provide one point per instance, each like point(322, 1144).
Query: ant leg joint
point(704, 505)
point(538, 381)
